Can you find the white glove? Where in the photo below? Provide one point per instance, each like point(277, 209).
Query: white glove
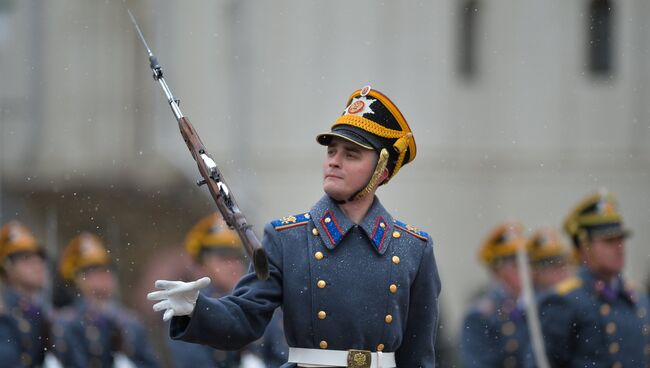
point(251, 361)
point(177, 298)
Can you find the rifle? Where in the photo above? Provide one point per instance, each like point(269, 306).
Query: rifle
point(210, 173)
point(532, 316)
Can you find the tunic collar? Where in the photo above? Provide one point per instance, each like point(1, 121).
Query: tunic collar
point(332, 224)
point(11, 298)
point(609, 293)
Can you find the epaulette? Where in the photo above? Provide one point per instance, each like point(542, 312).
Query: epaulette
point(412, 230)
point(568, 285)
point(632, 290)
point(288, 222)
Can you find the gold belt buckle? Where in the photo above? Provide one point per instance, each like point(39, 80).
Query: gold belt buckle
point(359, 359)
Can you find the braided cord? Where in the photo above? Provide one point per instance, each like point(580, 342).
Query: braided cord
point(369, 126)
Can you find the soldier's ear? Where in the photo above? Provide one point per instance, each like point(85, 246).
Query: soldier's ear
point(583, 245)
point(583, 239)
point(384, 175)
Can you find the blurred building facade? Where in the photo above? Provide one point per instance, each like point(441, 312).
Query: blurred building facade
point(519, 108)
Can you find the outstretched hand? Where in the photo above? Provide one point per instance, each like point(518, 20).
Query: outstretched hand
point(177, 298)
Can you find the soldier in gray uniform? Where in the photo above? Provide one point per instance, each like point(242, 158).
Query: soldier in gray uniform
point(96, 331)
point(217, 251)
point(24, 315)
point(357, 287)
point(494, 331)
point(549, 258)
point(596, 318)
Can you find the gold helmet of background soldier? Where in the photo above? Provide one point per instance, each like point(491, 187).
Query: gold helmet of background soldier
point(15, 238)
point(212, 234)
point(502, 243)
point(84, 251)
point(596, 215)
point(546, 246)
point(372, 121)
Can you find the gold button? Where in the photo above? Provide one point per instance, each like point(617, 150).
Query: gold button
point(26, 359)
point(646, 329)
point(322, 315)
point(510, 362)
point(392, 288)
point(610, 328)
point(328, 220)
point(396, 259)
point(617, 365)
point(642, 312)
point(647, 349)
point(512, 345)
point(323, 344)
point(314, 231)
point(396, 234)
point(388, 318)
point(382, 225)
point(614, 348)
point(318, 255)
point(24, 326)
point(321, 284)
point(92, 333)
point(508, 328)
point(380, 347)
point(605, 309)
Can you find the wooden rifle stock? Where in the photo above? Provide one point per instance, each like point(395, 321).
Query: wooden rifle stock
point(224, 199)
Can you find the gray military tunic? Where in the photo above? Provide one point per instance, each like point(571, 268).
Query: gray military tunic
point(495, 332)
point(586, 324)
point(372, 286)
point(24, 329)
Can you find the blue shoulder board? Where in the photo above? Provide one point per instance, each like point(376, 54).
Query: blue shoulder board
point(412, 230)
point(288, 222)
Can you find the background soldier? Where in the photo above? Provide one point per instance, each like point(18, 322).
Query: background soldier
point(218, 253)
point(549, 258)
point(355, 285)
point(96, 331)
point(494, 332)
point(24, 317)
point(596, 318)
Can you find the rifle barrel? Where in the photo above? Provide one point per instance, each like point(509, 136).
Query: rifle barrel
point(208, 169)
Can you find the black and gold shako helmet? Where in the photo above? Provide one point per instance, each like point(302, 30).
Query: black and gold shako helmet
point(212, 235)
point(545, 246)
point(502, 243)
point(84, 251)
point(595, 216)
point(372, 121)
point(15, 238)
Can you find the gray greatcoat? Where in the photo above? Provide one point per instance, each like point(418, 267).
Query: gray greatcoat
point(372, 286)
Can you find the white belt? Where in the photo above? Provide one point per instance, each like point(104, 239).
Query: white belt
point(341, 358)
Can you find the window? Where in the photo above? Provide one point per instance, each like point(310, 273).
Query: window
point(467, 38)
point(600, 38)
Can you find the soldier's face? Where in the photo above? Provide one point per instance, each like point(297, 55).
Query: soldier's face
point(508, 273)
point(224, 271)
point(347, 168)
point(606, 255)
point(97, 283)
point(548, 276)
point(26, 271)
